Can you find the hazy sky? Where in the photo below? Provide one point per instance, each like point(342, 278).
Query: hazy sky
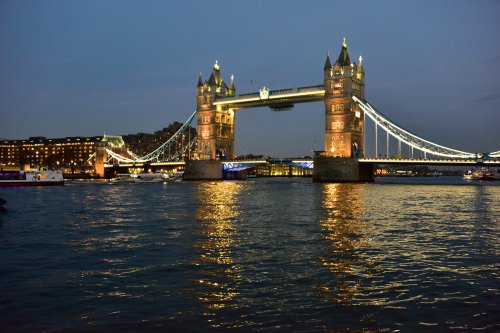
point(84, 68)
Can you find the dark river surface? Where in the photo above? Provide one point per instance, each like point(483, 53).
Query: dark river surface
point(265, 254)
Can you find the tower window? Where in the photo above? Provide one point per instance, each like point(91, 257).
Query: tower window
point(338, 125)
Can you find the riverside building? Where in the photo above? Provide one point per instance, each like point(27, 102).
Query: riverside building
point(40, 153)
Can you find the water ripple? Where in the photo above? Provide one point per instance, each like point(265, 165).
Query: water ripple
point(265, 254)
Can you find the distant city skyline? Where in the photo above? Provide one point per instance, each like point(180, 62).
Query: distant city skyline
point(93, 67)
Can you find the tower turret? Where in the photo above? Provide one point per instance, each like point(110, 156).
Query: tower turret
point(361, 72)
point(328, 69)
point(217, 82)
point(343, 59)
point(232, 89)
point(199, 86)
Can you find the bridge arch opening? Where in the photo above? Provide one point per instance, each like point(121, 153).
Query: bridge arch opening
point(260, 131)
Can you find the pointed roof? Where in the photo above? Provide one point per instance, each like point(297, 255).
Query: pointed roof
point(360, 66)
point(328, 64)
point(216, 78)
point(113, 140)
point(211, 80)
point(231, 85)
point(344, 59)
point(200, 82)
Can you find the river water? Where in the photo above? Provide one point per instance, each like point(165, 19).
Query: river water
point(265, 254)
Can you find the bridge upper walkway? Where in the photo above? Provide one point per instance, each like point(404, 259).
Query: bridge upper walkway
point(274, 98)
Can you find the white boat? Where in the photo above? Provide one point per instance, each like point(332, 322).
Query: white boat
point(468, 175)
point(482, 174)
point(31, 178)
point(156, 177)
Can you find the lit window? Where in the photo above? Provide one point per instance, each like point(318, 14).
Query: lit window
point(338, 125)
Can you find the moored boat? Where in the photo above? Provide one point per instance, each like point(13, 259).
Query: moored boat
point(156, 177)
point(468, 175)
point(482, 174)
point(31, 178)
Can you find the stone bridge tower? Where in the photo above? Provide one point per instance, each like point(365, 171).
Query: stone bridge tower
point(215, 122)
point(344, 127)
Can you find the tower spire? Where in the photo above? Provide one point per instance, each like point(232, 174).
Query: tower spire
point(344, 59)
point(328, 64)
point(231, 85)
point(200, 82)
point(232, 89)
point(360, 67)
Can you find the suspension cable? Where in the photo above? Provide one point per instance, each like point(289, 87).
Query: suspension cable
point(155, 154)
point(410, 138)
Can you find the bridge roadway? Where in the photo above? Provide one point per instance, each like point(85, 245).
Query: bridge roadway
point(141, 164)
point(309, 163)
point(449, 162)
point(380, 161)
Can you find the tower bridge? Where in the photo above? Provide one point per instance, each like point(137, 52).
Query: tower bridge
point(346, 112)
point(344, 118)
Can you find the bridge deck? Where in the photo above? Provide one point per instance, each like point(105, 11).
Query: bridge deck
point(457, 162)
point(140, 164)
point(380, 161)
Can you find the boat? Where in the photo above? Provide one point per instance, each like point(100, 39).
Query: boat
point(482, 174)
point(31, 178)
point(157, 177)
point(468, 175)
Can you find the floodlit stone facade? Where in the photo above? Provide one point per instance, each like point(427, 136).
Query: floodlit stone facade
point(215, 123)
point(344, 128)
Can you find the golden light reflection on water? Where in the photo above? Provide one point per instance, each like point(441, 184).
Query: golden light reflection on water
point(344, 229)
point(217, 212)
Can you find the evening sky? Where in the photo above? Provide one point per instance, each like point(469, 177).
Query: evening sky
point(85, 68)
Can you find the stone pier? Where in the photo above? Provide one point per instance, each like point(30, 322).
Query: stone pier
point(203, 170)
point(341, 170)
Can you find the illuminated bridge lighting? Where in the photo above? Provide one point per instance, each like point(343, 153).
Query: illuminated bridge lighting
point(447, 156)
point(306, 164)
point(241, 165)
point(408, 138)
point(168, 151)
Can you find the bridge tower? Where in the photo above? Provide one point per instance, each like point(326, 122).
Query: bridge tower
point(215, 123)
point(344, 128)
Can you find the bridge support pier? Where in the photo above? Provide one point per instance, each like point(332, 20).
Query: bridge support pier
point(235, 175)
point(100, 158)
point(203, 170)
point(341, 170)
